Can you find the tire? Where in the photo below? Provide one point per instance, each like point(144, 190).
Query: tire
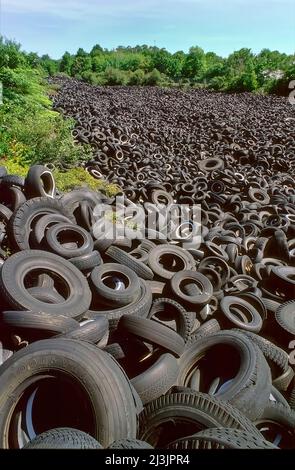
point(282, 419)
point(200, 410)
point(39, 182)
point(157, 379)
point(241, 314)
point(47, 295)
point(185, 259)
point(184, 320)
point(250, 389)
point(17, 266)
point(204, 294)
point(21, 222)
point(46, 221)
point(92, 331)
point(38, 322)
point(206, 329)
point(221, 438)
point(73, 199)
point(128, 260)
point(87, 262)
point(130, 444)
point(59, 235)
point(140, 307)
point(277, 358)
point(119, 274)
point(155, 333)
point(107, 394)
point(63, 438)
point(285, 317)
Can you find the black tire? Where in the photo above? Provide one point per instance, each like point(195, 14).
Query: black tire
point(140, 307)
point(154, 333)
point(206, 329)
point(63, 438)
point(58, 236)
point(158, 423)
point(277, 358)
point(73, 199)
point(87, 262)
point(106, 392)
point(93, 331)
point(38, 322)
point(168, 311)
point(20, 224)
point(130, 444)
point(19, 265)
point(109, 293)
point(221, 438)
point(46, 221)
point(128, 260)
point(186, 261)
point(278, 420)
point(241, 314)
point(39, 182)
point(157, 379)
point(46, 294)
point(250, 388)
point(203, 293)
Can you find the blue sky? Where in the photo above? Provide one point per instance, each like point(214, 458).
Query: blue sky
point(53, 26)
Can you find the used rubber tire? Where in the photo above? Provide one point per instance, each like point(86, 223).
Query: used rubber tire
point(38, 321)
point(186, 261)
point(204, 290)
point(200, 410)
point(63, 438)
point(241, 314)
point(119, 274)
point(130, 444)
point(157, 379)
point(140, 307)
point(58, 236)
point(250, 389)
point(103, 382)
point(184, 320)
point(221, 438)
point(39, 182)
point(46, 221)
point(92, 330)
point(128, 260)
point(20, 224)
point(13, 289)
point(87, 262)
point(153, 332)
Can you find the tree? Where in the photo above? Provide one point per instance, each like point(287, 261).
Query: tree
point(96, 50)
point(195, 63)
point(66, 63)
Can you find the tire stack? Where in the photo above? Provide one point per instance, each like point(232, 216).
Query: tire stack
point(118, 342)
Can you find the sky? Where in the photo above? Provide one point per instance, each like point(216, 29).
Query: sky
point(222, 26)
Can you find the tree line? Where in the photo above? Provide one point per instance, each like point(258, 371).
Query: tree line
point(268, 71)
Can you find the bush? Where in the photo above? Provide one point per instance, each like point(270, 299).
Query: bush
point(153, 78)
point(115, 77)
point(65, 180)
point(136, 78)
point(78, 177)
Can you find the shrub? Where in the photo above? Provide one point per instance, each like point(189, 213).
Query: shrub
point(153, 78)
point(65, 180)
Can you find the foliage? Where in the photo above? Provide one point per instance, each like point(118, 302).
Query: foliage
point(65, 181)
point(267, 71)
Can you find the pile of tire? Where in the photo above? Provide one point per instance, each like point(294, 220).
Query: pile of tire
point(146, 343)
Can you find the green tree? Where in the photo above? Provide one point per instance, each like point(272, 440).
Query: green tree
point(195, 63)
point(66, 62)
